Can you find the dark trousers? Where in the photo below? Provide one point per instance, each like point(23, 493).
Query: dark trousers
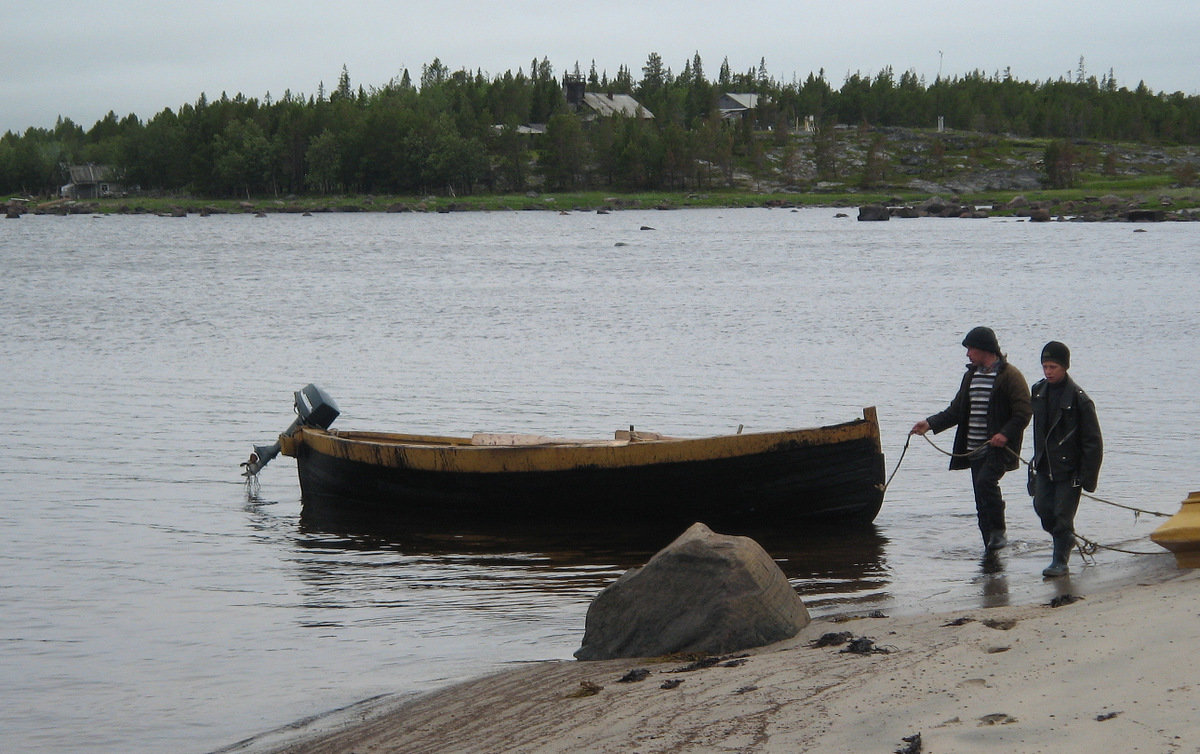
point(986, 471)
point(1056, 502)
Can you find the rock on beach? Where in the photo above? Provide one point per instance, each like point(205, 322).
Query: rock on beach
point(704, 592)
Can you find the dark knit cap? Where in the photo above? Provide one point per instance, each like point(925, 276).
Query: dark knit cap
point(1058, 353)
point(982, 338)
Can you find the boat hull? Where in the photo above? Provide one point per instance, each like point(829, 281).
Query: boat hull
point(828, 473)
point(1181, 533)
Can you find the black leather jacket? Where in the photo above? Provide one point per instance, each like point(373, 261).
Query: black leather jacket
point(1068, 444)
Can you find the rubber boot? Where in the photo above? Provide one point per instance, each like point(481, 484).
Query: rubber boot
point(997, 540)
point(1058, 562)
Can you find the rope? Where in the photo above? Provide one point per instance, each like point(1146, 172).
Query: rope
point(898, 462)
point(1087, 548)
point(1136, 511)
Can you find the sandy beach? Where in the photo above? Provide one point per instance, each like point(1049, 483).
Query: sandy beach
point(1106, 671)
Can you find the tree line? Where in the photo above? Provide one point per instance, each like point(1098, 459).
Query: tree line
point(461, 132)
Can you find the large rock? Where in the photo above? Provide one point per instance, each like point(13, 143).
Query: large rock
point(704, 592)
point(873, 212)
point(1145, 215)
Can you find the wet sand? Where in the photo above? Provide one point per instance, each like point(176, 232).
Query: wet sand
point(1106, 671)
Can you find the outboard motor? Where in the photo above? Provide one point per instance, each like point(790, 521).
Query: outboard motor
point(314, 408)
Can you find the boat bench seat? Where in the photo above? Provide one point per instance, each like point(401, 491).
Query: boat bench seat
point(516, 438)
point(620, 437)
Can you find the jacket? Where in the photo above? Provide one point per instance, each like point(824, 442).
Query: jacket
point(1066, 445)
point(1008, 413)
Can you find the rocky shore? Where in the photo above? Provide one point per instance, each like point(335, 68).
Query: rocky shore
point(1107, 208)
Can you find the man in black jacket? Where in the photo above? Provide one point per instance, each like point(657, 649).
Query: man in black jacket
point(1067, 452)
point(991, 410)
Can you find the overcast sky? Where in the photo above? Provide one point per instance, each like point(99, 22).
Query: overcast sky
point(82, 59)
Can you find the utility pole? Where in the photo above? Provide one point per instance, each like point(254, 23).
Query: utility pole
point(941, 119)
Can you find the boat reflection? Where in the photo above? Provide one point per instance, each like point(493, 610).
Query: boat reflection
point(835, 569)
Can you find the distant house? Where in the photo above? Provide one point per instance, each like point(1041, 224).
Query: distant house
point(606, 105)
point(737, 105)
point(525, 129)
point(588, 106)
point(91, 182)
point(592, 105)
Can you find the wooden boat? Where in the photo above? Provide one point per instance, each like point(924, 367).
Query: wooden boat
point(835, 473)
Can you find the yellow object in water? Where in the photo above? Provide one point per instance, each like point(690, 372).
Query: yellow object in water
point(1181, 533)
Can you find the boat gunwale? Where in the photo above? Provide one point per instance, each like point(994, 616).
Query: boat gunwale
point(459, 454)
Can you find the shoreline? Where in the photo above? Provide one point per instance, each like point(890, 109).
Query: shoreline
point(1080, 672)
point(1107, 204)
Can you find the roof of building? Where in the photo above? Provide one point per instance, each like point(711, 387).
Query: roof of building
point(747, 101)
point(615, 104)
point(82, 174)
point(523, 129)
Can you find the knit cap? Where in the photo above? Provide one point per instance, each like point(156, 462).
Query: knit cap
point(1058, 353)
point(984, 339)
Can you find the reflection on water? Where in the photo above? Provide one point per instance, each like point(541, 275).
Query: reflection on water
point(993, 581)
point(834, 568)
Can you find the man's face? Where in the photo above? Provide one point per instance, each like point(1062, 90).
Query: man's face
point(979, 358)
point(1053, 372)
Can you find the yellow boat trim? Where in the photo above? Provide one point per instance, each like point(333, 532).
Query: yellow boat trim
point(459, 454)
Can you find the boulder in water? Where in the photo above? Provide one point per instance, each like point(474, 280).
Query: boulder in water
point(873, 212)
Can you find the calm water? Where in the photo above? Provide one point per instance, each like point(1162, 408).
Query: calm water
point(151, 602)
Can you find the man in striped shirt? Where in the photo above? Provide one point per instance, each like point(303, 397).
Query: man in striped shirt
point(991, 410)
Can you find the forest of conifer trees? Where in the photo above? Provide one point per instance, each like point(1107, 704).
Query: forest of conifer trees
point(460, 133)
